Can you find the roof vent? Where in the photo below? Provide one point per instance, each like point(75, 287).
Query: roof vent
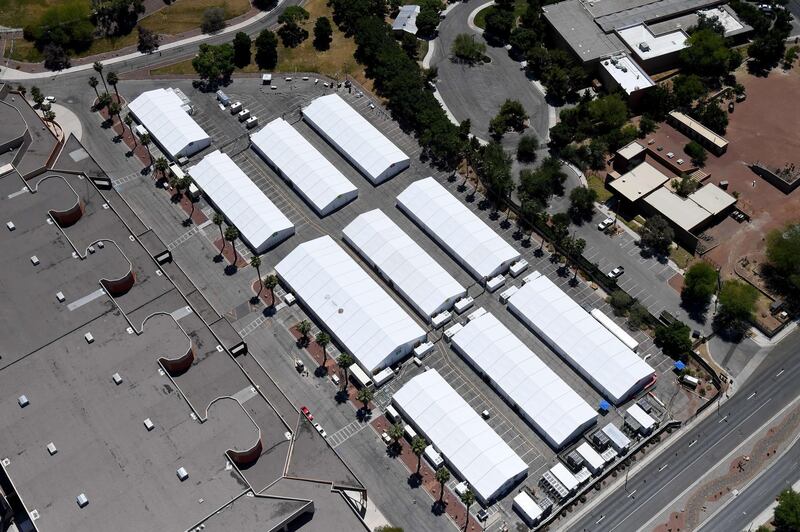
point(60, 297)
point(51, 448)
point(90, 249)
point(182, 474)
point(35, 260)
point(117, 379)
point(34, 515)
point(82, 500)
point(11, 226)
point(100, 244)
point(643, 46)
point(49, 221)
point(89, 338)
point(6, 462)
point(23, 401)
point(148, 425)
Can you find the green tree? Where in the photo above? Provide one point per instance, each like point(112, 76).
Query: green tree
point(213, 20)
point(255, 262)
point(241, 49)
point(129, 122)
point(657, 234)
point(344, 361)
point(304, 328)
point(428, 19)
point(396, 432)
point(646, 126)
point(161, 166)
point(442, 477)
point(266, 50)
point(323, 340)
point(323, 34)
point(581, 204)
point(499, 23)
point(737, 301)
point(696, 151)
point(270, 282)
point(144, 140)
point(527, 147)
point(468, 498)
point(292, 34)
point(293, 14)
point(783, 254)
point(218, 220)
point(699, 284)
point(787, 513)
point(512, 116)
point(687, 89)
point(93, 83)
point(684, 185)
point(113, 79)
point(418, 445)
point(231, 234)
point(495, 172)
point(674, 339)
point(608, 112)
point(98, 67)
point(711, 115)
point(214, 63)
point(620, 302)
point(707, 55)
point(467, 49)
point(148, 40)
point(364, 396)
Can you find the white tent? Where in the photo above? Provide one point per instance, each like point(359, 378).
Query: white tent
point(356, 139)
point(359, 314)
point(162, 112)
point(542, 397)
point(573, 333)
point(260, 223)
point(469, 445)
point(456, 228)
point(294, 158)
point(414, 273)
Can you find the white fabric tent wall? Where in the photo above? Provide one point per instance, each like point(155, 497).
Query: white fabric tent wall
point(481, 251)
point(543, 398)
point(260, 223)
point(359, 314)
point(314, 177)
point(355, 138)
point(414, 273)
point(468, 444)
point(598, 355)
point(160, 111)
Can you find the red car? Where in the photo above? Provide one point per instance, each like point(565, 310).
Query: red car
point(306, 412)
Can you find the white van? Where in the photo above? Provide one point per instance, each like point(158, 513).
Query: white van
point(433, 456)
point(409, 433)
point(392, 414)
point(690, 381)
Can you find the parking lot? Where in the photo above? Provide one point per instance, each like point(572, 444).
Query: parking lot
point(266, 331)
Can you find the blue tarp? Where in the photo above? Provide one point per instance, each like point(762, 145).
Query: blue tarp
point(604, 405)
point(679, 366)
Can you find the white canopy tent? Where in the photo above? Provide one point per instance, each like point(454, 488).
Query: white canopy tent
point(414, 273)
point(598, 355)
point(356, 139)
point(467, 442)
point(359, 314)
point(542, 397)
point(260, 223)
point(481, 251)
point(162, 112)
point(294, 158)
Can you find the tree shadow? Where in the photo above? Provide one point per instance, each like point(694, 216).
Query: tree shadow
point(470, 198)
point(484, 204)
point(341, 396)
point(363, 414)
point(321, 371)
point(696, 311)
point(269, 311)
point(505, 224)
point(393, 450)
point(231, 269)
point(438, 507)
point(218, 258)
point(414, 480)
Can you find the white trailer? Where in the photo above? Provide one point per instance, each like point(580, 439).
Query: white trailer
point(615, 329)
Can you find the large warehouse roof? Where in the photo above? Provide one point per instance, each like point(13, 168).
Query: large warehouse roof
point(683, 212)
point(639, 182)
point(354, 308)
point(161, 112)
point(358, 140)
point(466, 441)
point(320, 183)
point(543, 397)
point(589, 347)
point(421, 280)
point(481, 251)
point(258, 220)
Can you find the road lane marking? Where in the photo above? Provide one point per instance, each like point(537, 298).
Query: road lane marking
point(663, 467)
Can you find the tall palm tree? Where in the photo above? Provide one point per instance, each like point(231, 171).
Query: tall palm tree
point(129, 122)
point(113, 79)
point(344, 361)
point(114, 109)
point(98, 67)
point(304, 327)
point(271, 282)
point(468, 498)
point(442, 476)
point(186, 183)
point(218, 220)
point(161, 166)
point(231, 234)
point(365, 395)
point(323, 340)
point(396, 432)
point(255, 262)
point(145, 141)
point(418, 445)
point(93, 83)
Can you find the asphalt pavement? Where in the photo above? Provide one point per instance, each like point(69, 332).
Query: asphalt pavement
point(652, 489)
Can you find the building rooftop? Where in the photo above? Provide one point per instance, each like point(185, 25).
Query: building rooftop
point(724, 14)
point(700, 129)
point(628, 75)
point(683, 212)
point(641, 40)
point(639, 182)
point(631, 150)
point(407, 19)
point(577, 27)
point(712, 198)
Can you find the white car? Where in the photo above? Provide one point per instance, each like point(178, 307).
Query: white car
point(320, 430)
point(605, 224)
point(616, 272)
point(51, 99)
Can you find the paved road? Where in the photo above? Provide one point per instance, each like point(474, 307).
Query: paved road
point(698, 450)
point(758, 495)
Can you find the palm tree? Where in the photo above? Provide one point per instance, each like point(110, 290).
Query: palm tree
point(323, 340)
point(304, 327)
point(103, 101)
point(396, 432)
point(129, 122)
point(113, 79)
point(365, 395)
point(442, 476)
point(98, 67)
point(49, 115)
point(36, 94)
point(93, 83)
point(468, 498)
point(231, 234)
point(271, 282)
point(218, 220)
point(418, 445)
point(186, 183)
point(145, 141)
point(161, 166)
point(255, 262)
point(344, 361)
point(114, 109)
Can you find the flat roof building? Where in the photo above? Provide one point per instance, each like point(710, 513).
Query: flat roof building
point(355, 138)
point(638, 182)
point(542, 398)
point(359, 314)
point(415, 274)
point(682, 212)
point(480, 250)
point(164, 115)
point(599, 356)
point(697, 131)
point(713, 199)
point(260, 223)
point(296, 160)
point(621, 71)
point(406, 19)
point(468, 444)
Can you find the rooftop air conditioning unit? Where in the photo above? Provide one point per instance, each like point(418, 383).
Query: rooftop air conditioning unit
point(643, 46)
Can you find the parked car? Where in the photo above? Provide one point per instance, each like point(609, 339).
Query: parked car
point(320, 430)
point(335, 379)
point(306, 412)
point(386, 438)
point(730, 107)
point(51, 99)
point(616, 272)
point(605, 224)
point(741, 97)
point(483, 514)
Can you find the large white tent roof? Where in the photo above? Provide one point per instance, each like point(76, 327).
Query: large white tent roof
point(355, 309)
point(302, 164)
point(481, 251)
point(556, 410)
point(468, 443)
point(588, 346)
point(365, 146)
point(415, 273)
point(240, 200)
point(161, 112)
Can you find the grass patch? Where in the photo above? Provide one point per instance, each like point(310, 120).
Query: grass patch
point(480, 18)
point(680, 256)
point(596, 183)
point(17, 13)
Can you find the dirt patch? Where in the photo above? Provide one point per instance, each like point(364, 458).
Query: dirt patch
point(228, 253)
point(676, 282)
